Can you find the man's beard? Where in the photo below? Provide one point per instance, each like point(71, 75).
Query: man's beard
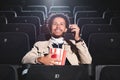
point(57, 36)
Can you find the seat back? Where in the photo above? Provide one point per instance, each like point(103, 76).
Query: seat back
point(104, 48)
point(39, 14)
point(94, 20)
point(36, 8)
point(96, 28)
point(107, 72)
point(27, 28)
point(8, 72)
point(13, 46)
point(41, 72)
point(86, 14)
point(27, 19)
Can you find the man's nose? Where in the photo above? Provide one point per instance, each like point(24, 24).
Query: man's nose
point(58, 25)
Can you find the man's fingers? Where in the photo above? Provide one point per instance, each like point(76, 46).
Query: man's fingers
point(55, 62)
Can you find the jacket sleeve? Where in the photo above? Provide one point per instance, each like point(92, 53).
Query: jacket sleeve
point(84, 53)
point(32, 55)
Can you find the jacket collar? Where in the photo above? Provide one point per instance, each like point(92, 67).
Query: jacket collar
point(50, 43)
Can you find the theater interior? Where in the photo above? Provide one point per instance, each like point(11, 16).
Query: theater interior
point(24, 22)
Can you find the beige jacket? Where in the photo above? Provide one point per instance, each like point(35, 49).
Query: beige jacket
point(42, 47)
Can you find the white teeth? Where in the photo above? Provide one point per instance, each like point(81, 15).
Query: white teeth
point(57, 30)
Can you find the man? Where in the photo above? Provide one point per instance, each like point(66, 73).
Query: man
point(76, 50)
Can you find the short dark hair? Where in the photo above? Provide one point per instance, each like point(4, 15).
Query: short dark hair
point(54, 15)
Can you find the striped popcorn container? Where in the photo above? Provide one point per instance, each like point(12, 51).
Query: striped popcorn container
point(60, 54)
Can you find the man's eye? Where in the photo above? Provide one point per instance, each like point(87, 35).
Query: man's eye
point(54, 24)
point(62, 24)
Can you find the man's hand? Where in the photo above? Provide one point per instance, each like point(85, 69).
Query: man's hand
point(48, 60)
point(76, 30)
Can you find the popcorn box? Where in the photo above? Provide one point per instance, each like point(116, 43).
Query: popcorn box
point(60, 54)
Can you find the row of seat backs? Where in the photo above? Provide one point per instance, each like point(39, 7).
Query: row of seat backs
point(88, 29)
point(35, 20)
point(105, 46)
point(12, 14)
point(27, 28)
point(30, 72)
point(40, 72)
point(32, 18)
point(77, 13)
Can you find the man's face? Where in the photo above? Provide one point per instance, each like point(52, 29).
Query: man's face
point(58, 27)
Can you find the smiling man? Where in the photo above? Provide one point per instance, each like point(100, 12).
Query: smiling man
point(76, 50)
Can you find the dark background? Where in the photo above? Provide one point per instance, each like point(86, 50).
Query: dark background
point(95, 3)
